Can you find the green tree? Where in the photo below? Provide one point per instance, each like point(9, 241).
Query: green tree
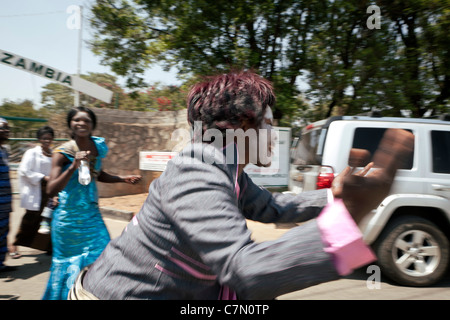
point(163, 98)
point(349, 68)
point(436, 24)
point(421, 70)
point(59, 99)
point(203, 37)
point(338, 49)
point(403, 66)
point(23, 109)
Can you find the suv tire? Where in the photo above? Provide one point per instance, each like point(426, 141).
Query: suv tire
point(413, 251)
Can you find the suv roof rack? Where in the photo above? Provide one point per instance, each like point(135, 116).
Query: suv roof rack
point(443, 119)
point(372, 114)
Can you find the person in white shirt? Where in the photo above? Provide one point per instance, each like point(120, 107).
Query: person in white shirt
point(33, 172)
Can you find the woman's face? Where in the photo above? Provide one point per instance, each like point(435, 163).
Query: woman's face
point(81, 124)
point(46, 140)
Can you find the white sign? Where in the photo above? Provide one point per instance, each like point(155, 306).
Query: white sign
point(94, 90)
point(154, 160)
point(277, 174)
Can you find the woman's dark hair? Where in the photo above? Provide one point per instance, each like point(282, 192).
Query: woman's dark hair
point(44, 130)
point(75, 110)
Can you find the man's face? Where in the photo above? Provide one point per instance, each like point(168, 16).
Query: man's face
point(4, 131)
point(266, 140)
point(259, 149)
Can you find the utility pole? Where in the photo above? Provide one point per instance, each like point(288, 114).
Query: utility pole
point(80, 43)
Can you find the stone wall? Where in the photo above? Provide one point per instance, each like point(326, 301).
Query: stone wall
point(126, 134)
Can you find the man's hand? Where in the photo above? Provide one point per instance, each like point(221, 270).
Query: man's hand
point(338, 183)
point(362, 192)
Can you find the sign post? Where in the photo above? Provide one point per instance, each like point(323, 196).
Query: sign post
point(72, 81)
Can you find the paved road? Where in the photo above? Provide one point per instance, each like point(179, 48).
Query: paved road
point(355, 287)
point(29, 280)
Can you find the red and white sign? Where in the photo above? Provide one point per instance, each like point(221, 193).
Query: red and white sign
point(154, 160)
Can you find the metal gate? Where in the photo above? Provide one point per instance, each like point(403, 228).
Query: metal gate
point(23, 137)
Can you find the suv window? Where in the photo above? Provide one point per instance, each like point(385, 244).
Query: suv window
point(440, 142)
point(307, 151)
point(369, 139)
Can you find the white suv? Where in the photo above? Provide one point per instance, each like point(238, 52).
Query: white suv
point(410, 230)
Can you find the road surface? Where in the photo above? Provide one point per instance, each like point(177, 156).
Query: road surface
point(29, 280)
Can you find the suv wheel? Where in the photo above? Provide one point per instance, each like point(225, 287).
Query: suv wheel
point(413, 251)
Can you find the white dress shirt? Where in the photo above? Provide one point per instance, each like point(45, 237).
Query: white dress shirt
point(32, 169)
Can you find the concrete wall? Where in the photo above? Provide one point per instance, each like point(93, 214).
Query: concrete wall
point(127, 133)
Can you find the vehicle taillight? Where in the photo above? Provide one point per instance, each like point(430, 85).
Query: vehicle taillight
point(325, 177)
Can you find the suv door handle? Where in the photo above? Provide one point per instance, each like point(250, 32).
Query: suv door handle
point(440, 187)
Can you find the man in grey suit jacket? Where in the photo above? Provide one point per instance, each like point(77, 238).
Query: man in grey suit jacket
point(190, 239)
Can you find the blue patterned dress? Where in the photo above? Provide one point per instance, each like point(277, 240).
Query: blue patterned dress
point(79, 234)
point(5, 204)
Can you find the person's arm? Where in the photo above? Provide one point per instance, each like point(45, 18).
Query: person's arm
point(343, 239)
point(261, 205)
point(339, 233)
point(109, 178)
point(200, 201)
point(356, 195)
point(59, 178)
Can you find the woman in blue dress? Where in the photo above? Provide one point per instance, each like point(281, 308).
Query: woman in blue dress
point(79, 234)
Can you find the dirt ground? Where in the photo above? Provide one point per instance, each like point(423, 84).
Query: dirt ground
point(133, 203)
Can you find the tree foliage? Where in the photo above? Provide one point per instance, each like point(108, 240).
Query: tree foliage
point(203, 37)
point(23, 109)
point(59, 99)
point(348, 68)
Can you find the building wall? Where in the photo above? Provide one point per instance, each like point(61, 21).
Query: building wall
point(126, 134)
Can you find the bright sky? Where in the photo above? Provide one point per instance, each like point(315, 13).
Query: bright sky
point(37, 29)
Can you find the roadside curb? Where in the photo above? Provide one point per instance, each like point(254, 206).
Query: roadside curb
point(116, 213)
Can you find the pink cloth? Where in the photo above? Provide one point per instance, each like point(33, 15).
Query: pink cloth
point(343, 239)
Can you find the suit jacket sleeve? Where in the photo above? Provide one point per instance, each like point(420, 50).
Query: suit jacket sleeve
point(201, 202)
point(261, 205)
